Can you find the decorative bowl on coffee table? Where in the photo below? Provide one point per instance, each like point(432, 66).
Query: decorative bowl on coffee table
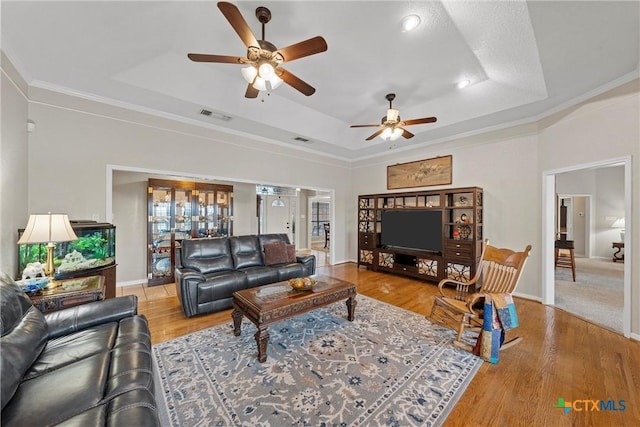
point(302, 283)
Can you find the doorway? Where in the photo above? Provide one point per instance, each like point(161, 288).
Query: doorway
point(549, 227)
point(574, 222)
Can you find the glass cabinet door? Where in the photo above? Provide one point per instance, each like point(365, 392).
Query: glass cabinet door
point(213, 210)
point(182, 214)
point(206, 213)
point(161, 239)
point(223, 213)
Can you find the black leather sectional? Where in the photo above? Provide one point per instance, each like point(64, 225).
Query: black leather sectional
point(88, 365)
point(210, 270)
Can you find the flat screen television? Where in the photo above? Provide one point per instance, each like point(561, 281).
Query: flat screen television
point(412, 229)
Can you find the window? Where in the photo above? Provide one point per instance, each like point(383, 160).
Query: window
point(319, 217)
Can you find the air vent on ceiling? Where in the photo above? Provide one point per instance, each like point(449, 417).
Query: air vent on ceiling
point(301, 139)
point(218, 116)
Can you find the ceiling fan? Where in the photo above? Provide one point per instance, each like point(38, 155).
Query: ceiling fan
point(392, 126)
point(263, 58)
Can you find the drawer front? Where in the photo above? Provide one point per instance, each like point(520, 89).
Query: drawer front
point(457, 250)
point(368, 240)
point(458, 245)
point(405, 268)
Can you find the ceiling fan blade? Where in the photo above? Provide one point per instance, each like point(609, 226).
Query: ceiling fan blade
point(201, 57)
point(251, 92)
point(419, 121)
point(233, 15)
point(302, 49)
point(406, 133)
point(364, 126)
point(295, 82)
point(375, 134)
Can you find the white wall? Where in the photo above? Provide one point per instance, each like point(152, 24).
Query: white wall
point(14, 211)
point(609, 204)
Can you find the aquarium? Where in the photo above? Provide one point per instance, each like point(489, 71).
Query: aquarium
point(95, 248)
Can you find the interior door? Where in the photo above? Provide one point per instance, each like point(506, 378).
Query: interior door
point(277, 217)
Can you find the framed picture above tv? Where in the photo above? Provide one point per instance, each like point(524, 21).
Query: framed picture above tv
point(421, 173)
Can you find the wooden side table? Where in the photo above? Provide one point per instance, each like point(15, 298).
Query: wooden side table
point(68, 293)
point(619, 246)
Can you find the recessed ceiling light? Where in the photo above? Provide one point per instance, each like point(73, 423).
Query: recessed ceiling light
point(463, 83)
point(410, 23)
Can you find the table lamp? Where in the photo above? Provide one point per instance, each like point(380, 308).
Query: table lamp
point(619, 223)
point(48, 228)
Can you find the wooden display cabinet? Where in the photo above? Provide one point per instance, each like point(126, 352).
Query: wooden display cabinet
point(461, 213)
point(179, 210)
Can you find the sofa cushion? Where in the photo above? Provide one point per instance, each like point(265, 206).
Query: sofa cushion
point(221, 285)
point(258, 276)
point(275, 253)
point(56, 396)
point(24, 335)
point(246, 251)
point(207, 255)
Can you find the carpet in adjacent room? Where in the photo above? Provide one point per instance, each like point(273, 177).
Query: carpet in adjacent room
point(388, 367)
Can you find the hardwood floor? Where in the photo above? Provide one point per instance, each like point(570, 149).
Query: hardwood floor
point(561, 356)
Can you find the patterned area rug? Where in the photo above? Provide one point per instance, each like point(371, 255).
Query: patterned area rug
point(388, 367)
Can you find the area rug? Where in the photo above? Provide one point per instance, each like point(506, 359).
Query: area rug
point(387, 367)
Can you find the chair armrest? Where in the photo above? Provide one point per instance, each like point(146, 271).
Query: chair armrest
point(187, 281)
point(73, 319)
point(309, 263)
point(472, 300)
point(461, 287)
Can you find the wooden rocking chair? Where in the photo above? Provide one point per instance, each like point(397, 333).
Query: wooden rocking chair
point(498, 272)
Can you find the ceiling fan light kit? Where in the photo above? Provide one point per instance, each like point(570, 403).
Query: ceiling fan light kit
point(264, 71)
point(390, 134)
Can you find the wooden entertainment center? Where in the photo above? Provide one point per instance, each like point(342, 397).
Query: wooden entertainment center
point(461, 234)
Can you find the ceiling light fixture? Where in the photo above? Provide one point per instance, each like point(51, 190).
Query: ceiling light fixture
point(410, 23)
point(463, 83)
point(261, 76)
point(391, 134)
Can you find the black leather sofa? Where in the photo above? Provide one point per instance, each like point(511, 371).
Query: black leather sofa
point(209, 270)
point(88, 365)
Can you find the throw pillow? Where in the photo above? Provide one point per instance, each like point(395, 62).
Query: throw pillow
point(291, 253)
point(275, 253)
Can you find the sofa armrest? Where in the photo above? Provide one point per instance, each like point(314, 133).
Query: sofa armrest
point(187, 281)
point(72, 319)
point(308, 262)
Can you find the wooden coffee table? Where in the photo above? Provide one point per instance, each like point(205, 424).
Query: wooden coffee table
point(268, 304)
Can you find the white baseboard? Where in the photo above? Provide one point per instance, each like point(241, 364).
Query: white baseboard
point(527, 296)
point(131, 283)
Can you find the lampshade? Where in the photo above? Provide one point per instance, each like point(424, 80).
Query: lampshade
point(618, 223)
point(249, 73)
point(47, 228)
